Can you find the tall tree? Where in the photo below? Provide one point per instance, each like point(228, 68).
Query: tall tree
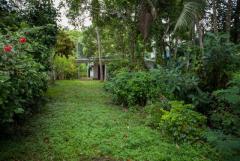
point(64, 45)
point(214, 16)
point(192, 12)
point(236, 28)
point(229, 16)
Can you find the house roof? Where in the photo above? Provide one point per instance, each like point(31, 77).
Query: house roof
point(93, 59)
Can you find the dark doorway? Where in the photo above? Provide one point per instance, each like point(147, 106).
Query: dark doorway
point(89, 70)
point(103, 68)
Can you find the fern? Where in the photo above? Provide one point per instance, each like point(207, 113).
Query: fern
point(227, 145)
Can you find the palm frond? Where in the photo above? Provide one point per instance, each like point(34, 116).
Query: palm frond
point(190, 11)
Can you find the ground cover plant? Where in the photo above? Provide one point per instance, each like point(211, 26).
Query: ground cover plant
point(74, 127)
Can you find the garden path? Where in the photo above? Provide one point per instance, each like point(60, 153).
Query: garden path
point(80, 123)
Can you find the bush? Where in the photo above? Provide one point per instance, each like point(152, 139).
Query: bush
point(117, 67)
point(155, 111)
point(175, 85)
point(65, 68)
point(22, 80)
point(182, 123)
point(42, 41)
point(228, 146)
point(219, 60)
point(225, 115)
point(131, 89)
point(170, 83)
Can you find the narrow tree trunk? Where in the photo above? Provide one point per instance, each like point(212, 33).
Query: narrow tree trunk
point(159, 50)
point(236, 31)
point(200, 34)
point(193, 33)
point(175, 49)
point(132, 36)
point(214, 7)
point(229, 16)
point(99, 54)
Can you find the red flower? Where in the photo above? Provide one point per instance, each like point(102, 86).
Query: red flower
point(22, 40)
point(7, 48)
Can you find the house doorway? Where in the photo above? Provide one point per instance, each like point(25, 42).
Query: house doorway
point(103, 68)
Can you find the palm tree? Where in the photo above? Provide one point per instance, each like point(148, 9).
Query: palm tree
point(190, 16)
point(192, 13)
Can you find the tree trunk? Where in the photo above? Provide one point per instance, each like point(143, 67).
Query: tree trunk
point(200, 34)
point(193, 33)
point(214, 7)
point(229, 16)
point(99, 54)
point(159, 50)
point(133, 36)
point(236, 31)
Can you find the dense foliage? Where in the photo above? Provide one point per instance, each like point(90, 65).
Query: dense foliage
point(131, 89)
point(209, 80)
point(22, 80)
point(27, 36)
point(65, 68)
point(182, 123)
point(64, 45)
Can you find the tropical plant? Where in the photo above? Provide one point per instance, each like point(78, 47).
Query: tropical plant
point(64, 45)
point(226, 113)
point(219, 60)
point(227, 146)
point(192, 11)
point(65, 68)
point(22, 80)
point(129, 89)
point(182, 123)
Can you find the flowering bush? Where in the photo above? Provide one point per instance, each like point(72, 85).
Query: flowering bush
point(8, 48)
point(22, 40)
point(22, 80)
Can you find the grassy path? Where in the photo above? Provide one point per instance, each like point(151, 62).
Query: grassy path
point(79, 123)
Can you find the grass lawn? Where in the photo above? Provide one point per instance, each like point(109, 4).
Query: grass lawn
point(80, 123)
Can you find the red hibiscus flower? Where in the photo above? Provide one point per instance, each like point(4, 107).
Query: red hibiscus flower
point(22, 40)
point(7, 48)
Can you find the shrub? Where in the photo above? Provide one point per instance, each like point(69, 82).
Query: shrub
point(226, 114)
point(170, 83)
point(219, 60)
point(22, 80)
point(117, 67)
point(131, 89)
point(65, 68)
point(42, 41)
point(175, 85)
point(155, 112)
point(228, 146)
point(182, 123)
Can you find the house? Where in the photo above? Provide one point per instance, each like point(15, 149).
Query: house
point(93, 67)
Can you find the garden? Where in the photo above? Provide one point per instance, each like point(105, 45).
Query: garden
point(120, 80)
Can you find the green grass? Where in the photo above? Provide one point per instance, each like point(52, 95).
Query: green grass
point(80, 123)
